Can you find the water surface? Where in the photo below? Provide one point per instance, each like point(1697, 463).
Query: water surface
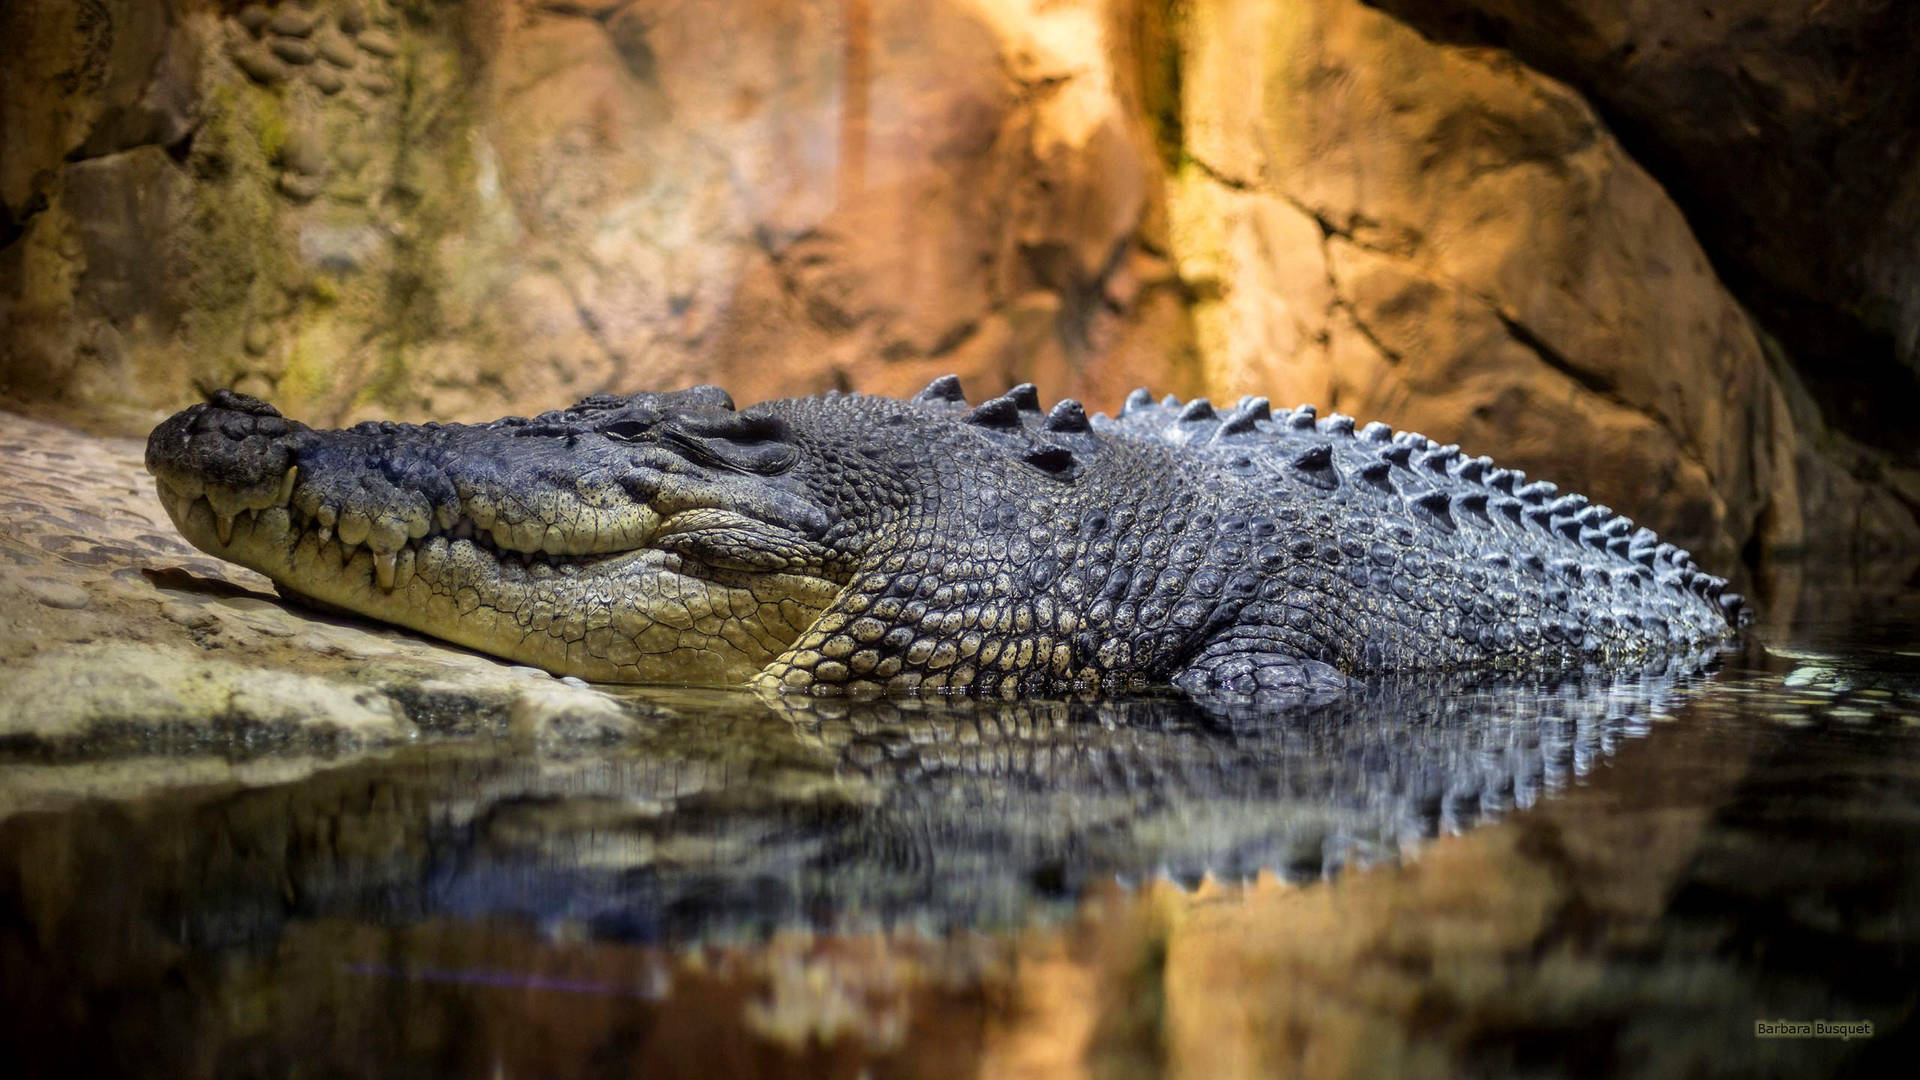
point(1595, 873)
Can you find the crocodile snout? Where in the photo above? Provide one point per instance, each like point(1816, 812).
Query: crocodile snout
point(234, 451)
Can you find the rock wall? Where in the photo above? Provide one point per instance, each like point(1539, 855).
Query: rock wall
point(423, 208)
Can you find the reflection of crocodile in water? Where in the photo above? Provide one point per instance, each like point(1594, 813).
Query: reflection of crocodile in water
point(726, 815)
point(857, 544)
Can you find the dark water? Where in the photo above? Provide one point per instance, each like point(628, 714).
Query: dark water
point(1593, 874)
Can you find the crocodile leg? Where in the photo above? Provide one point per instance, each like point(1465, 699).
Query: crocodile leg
point(1243, 665)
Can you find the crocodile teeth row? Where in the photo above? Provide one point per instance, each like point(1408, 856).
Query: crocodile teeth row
point(393, 568)
point(227, 507)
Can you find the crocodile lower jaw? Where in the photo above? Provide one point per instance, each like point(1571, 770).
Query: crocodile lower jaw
point(632, 616)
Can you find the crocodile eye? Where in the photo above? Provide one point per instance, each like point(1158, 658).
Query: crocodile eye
point(625, 430)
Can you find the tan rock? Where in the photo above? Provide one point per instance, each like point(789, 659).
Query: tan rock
point(1309, 201)
point(1503, 275)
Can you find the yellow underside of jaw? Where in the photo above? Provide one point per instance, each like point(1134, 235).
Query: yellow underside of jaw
point(629, 617)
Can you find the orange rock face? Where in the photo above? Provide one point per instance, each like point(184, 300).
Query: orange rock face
point(500, 207)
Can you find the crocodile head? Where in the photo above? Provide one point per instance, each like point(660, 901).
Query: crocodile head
point(651, 538)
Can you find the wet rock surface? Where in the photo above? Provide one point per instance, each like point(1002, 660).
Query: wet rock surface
point(124, 642)
point(475, 210)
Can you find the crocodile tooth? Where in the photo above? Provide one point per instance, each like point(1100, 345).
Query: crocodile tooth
point(404, 567)
point(346, 553)
point(383, 568)
point(286, 484)
point(353, 527)
point(223, 527)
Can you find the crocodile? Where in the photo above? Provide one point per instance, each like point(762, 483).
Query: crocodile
point(853, 544)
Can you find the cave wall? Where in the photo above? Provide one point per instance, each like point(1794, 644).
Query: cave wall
point(424, 208)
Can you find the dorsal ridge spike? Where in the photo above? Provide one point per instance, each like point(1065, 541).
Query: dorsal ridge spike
point(1536, 493)
point(1568, 504)
point(1250, 411)
point(1141, 398)
point(1068, 415)
point(1315, 458)
point(1435, 503)
point(1054, 460)
point(943, 390)
point(1376, 432)
point(998, 412)
point(1197, 409)
point(1025, 396)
